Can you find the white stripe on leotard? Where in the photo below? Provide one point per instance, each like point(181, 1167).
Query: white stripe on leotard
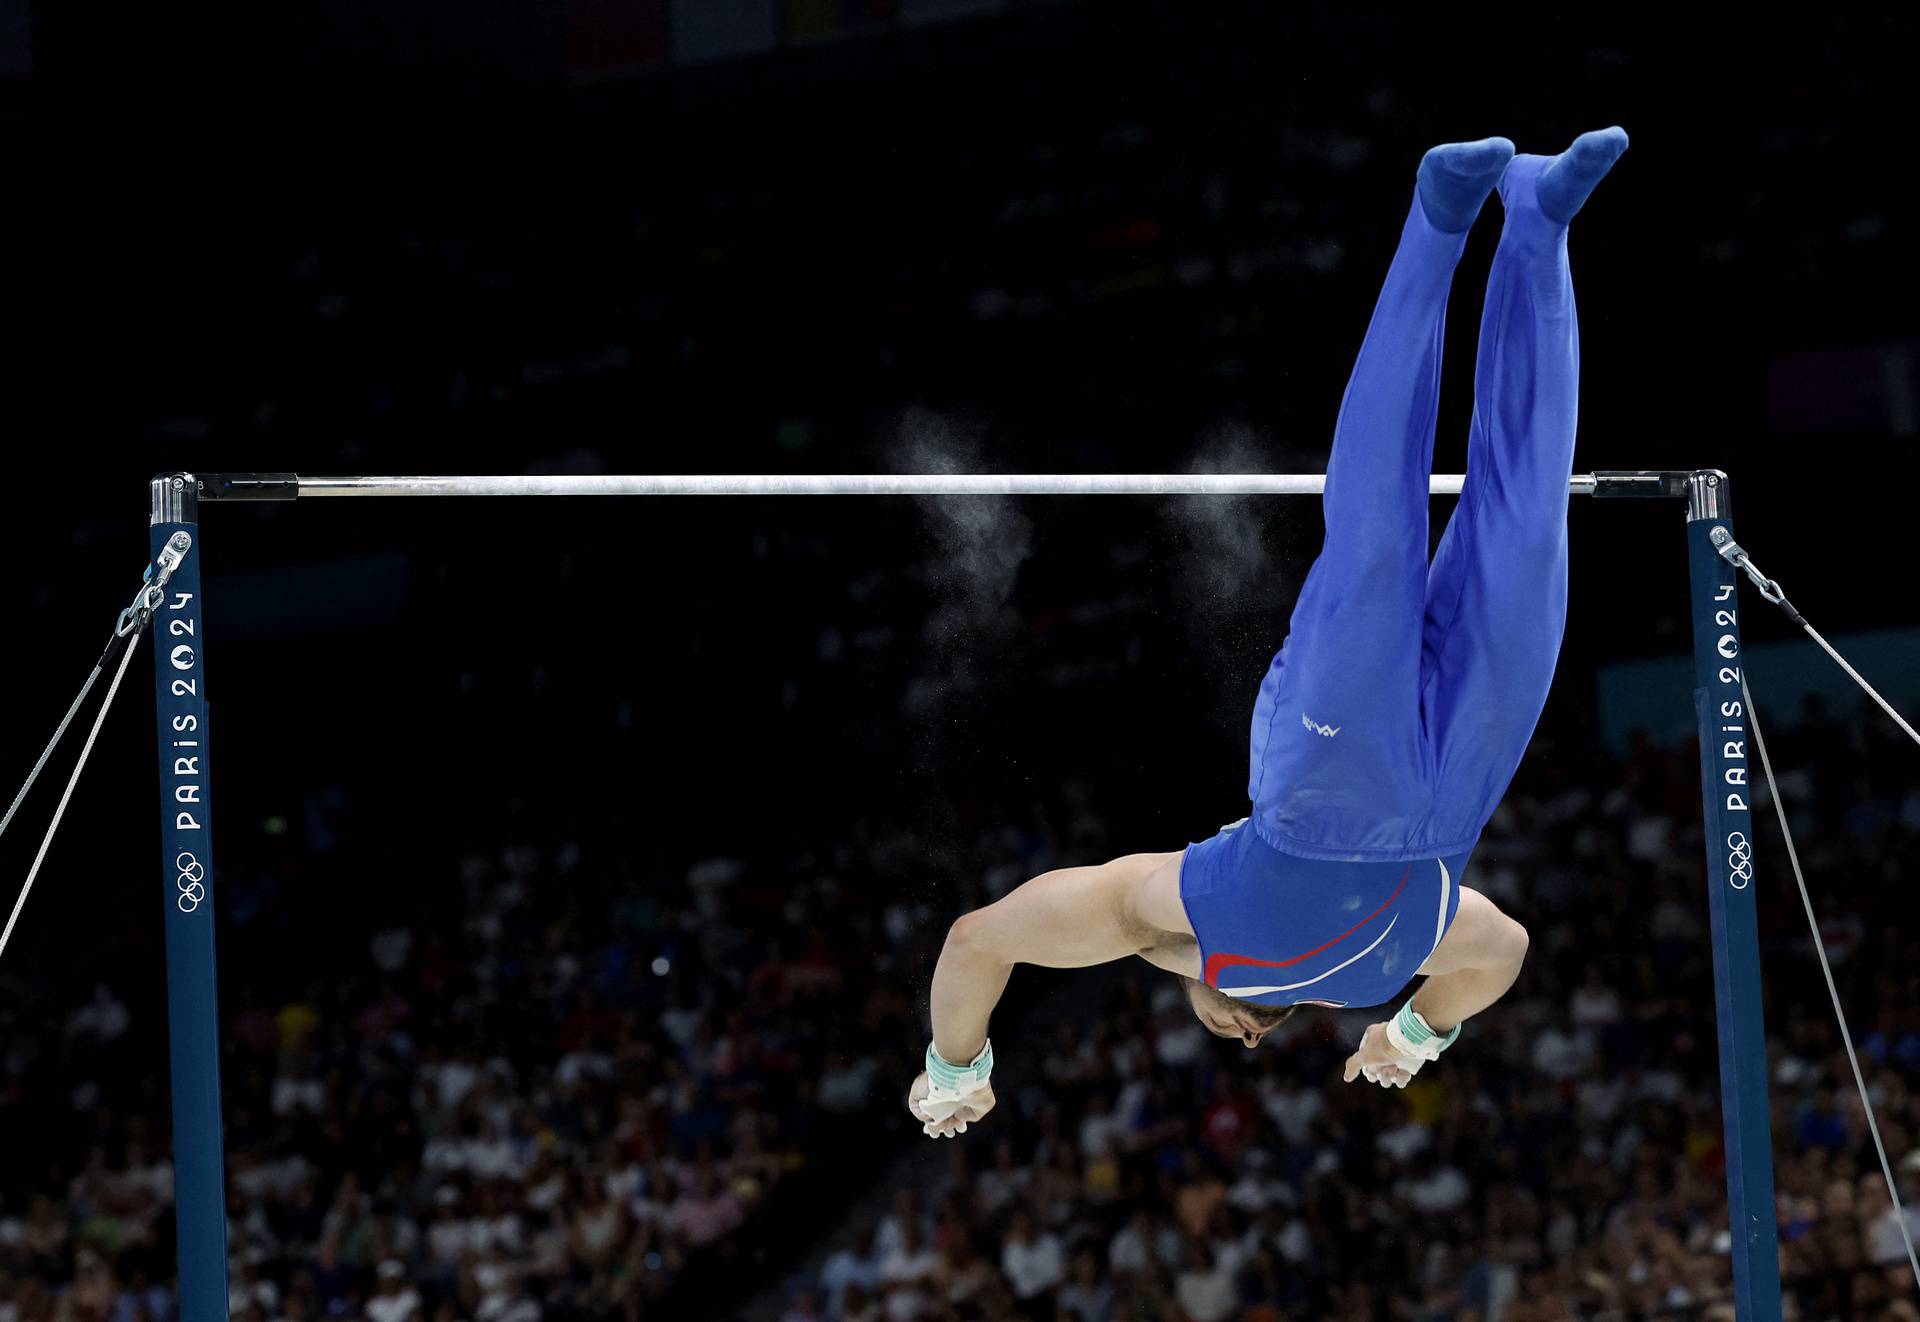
point(1262, 991)
point(1446, 887)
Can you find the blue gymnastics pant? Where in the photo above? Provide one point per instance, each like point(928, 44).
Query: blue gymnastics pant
point(1393, 718)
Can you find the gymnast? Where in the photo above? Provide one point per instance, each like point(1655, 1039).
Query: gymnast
point(1393, 717)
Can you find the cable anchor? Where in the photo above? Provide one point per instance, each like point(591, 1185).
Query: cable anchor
point(1736, 555)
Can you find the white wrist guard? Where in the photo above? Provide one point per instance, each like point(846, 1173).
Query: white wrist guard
point(1411, 1036)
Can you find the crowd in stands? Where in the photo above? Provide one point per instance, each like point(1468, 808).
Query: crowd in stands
point(545, 1106)
point(586, 1096)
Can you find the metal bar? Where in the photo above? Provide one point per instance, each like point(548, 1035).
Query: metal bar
point(186, 851)
point(281, 486)
point(1721, 713)
point(839, 484)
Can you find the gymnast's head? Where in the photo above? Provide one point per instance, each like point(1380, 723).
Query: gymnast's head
point(1223, 1016)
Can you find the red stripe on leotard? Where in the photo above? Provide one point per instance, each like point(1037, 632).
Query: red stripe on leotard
point(1220, 959)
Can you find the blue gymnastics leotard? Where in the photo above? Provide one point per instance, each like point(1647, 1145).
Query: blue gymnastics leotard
point(1393, 718)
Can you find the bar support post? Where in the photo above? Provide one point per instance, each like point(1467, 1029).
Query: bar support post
point(186, 851)
point(1720, 708)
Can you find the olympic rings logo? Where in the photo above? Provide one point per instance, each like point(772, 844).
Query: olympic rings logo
point(1739, 861)
point(191, 875)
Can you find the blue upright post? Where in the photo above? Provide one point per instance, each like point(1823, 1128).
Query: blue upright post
point(1724, 763)
point(186, 850)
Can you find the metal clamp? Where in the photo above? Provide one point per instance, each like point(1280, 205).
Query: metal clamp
point(153, 581)
point(170, 557)
point(1615, 482)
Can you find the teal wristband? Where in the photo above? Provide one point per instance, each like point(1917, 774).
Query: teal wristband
point(1414, 1028)
point(959, 1078)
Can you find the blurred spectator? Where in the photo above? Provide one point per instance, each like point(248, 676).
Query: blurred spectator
point(1033, 1264)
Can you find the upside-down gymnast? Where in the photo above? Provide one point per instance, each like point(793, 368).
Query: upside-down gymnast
point(1394, 715)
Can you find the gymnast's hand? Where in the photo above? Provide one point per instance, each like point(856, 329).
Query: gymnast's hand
point(1379, 1062)
point(945, 1118)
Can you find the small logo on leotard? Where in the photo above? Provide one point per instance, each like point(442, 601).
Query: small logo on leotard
point(1328, 730)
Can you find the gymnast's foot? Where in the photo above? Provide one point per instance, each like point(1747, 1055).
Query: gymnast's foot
point(1569, 177)
point(1456, 177)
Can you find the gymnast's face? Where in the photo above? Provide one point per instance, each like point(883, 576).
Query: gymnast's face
point(1223, 1016)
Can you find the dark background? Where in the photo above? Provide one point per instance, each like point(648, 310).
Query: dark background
point(1087, 237)
point(1077, 237)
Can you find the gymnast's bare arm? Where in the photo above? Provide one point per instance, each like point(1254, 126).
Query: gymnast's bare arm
point(1065, 919)
point(1472, 967)
point(1068, 918)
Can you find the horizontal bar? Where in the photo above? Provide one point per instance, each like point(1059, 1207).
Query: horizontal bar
point(275, 486)
point(838, 484)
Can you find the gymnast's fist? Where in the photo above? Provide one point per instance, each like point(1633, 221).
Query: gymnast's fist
point(945, 1115)
point(1379, 1062)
